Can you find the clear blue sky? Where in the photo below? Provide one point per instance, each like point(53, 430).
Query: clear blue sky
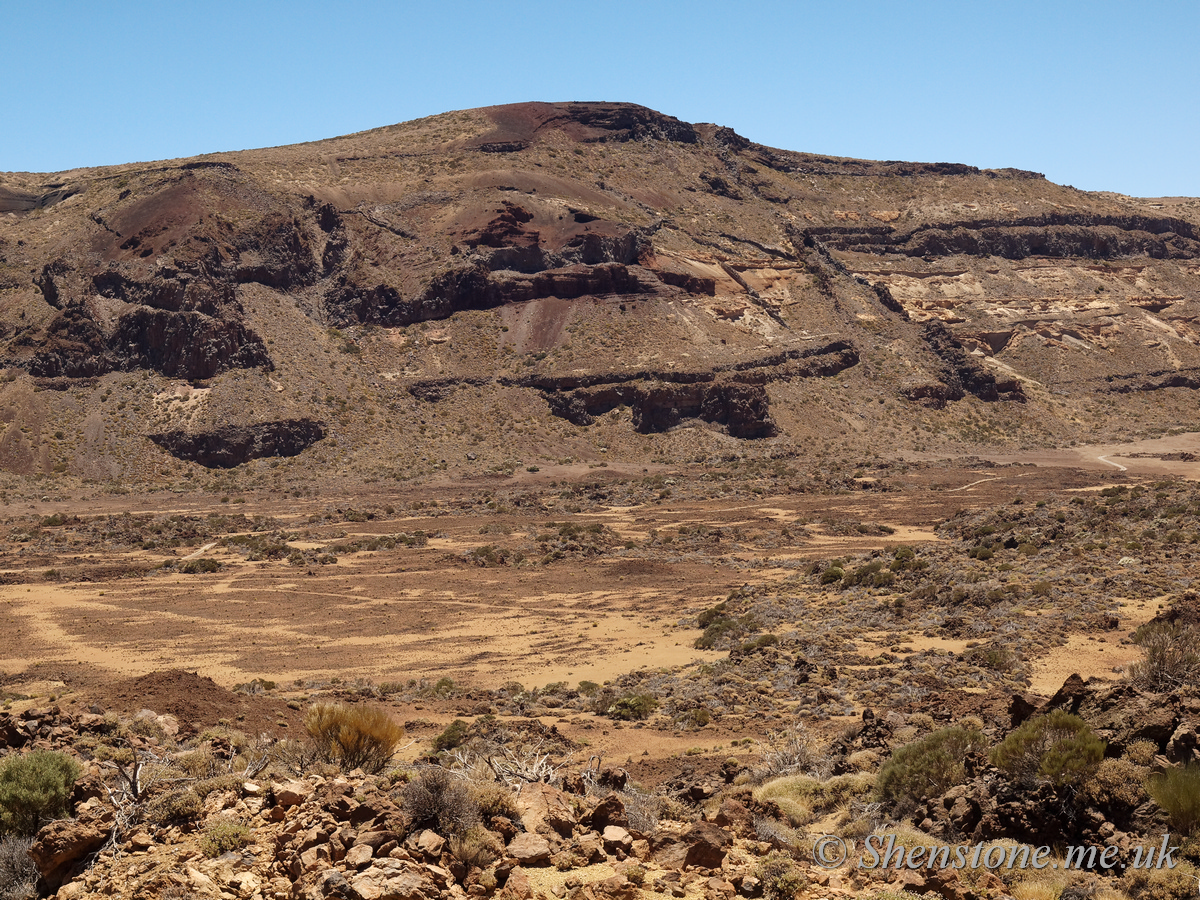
point(1101, 95)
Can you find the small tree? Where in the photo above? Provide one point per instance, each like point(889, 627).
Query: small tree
point(1059, 748)
point(35, 788)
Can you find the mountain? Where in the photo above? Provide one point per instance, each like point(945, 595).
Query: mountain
point(489, 289)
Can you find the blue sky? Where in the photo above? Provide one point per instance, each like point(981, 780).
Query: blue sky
point(1100, 95)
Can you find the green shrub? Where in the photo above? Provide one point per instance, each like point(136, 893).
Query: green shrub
point(928, 767)
point(633, 706)
point(200, 566)
point(174, 807)
point(354, 737)
point(35, 788)
point(222, 836)
point(456, 732)
point(1059, 748)
point(780, 876)
point(832, 574)
point(1177, 791)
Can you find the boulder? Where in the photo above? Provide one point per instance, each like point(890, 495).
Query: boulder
point(60, 845)
point(609, 811)
point(292, 794)
point(540, 804)
point(615, 837)
point(701, 844)
point(529, 849)
point(393, 880)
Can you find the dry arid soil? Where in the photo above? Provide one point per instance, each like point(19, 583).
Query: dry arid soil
point(671, 462)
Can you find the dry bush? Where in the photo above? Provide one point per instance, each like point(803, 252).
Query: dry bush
point(495, 800)
point(802, 798)
point(1170, 659)
point(355, 737)
point(174, 807)
point(794, 750)
point(436, 796)
point(476, 847)
point(1178, 883)
point(780, 876)
point(223, 835)
point(18, 875)
point(1117, 786)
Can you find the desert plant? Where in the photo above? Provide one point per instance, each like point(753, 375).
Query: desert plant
point(456, 732)
point(18, 875)
point(174, 807)
point(1178, 792)
point(1178, 883)
point(928, 767)
point(223, 835)
point(802, 798)
point(632, 706)
point(794, 750)
point(35, 787)
point(1059, 748)
point(780, 876)
point(355, 737)
point(1116, 787)
point(495, 800)
point(476, 847)
point(1169, 659)
point(438, 797)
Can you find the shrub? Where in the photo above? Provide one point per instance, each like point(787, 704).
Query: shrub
point(1059, 748)
point(355, 737)
point(200, 566)
point(456, 732)
point(174, 807)
point(495, 800)
point(928, 767)
point(802, 798)
point(633, 706)
point(35, 788)
point(1178, 883)
point(1141, 752)
point(780, 876)
point(1177, 791)
point(222, 836)
point(437, 797)
point(476, 847)
point(1116, 787)
point(18, 874)
point(1169, 659)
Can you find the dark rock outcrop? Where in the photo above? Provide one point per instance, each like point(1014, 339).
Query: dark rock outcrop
point(1059, 235)
point(962, 373)
point(232, 445)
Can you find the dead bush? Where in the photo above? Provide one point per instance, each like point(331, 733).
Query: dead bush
point(476, 847)
point(18, 875)
point(437, 797)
